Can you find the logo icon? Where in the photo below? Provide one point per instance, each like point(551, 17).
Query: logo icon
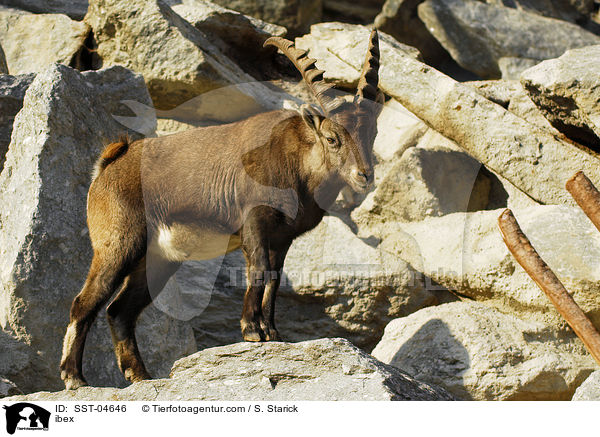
point(26, 416)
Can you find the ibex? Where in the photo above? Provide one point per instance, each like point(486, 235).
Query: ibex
point(255, 184)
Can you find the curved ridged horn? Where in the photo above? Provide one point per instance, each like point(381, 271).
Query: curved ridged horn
point(306, 66)
point(369, 77)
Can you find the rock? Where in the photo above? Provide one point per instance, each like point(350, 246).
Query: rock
point(531, 159)
point(511, 95)
point(12, 91)
point(426, 183)
point(349, 40)
point(476, 352)
point(397, 130)
point(75, 9)
point(295, 15)
point(464, 252)
point(399, 19)
point(574, 11)
point(7, 388)
point(333, 284)
point(478, 35)
point(238, 36)
point(59, 39)
point(3, 66)
point(511, 68)
point(325, 369)
point(17, 361)
point(178, 62)
point(44, 250)
point(348, 11)
point(590, 389)
point(567, 90)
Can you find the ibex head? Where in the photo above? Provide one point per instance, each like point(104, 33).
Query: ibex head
point(345, 131)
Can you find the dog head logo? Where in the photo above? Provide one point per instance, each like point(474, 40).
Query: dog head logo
point(26, 416)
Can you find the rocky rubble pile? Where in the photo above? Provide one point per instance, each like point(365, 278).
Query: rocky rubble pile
point(489, 105)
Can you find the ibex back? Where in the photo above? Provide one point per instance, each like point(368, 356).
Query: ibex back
point(255, 184)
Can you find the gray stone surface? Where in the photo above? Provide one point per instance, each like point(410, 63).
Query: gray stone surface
point(75, 9)
point(44, 249)
point(425, 183)
point(590, 389)
point(238, 36)
point(334, 284)
point(476, 352)
point(465, 252)
point(326, 369)
point(531, 159)
point(294, 15)
point(12, 91)
point(567, 91)
point(478, 35)
point(399, 19)
point(568, 10)
point(511, 95)
point(8, 388)
point(178, 61)
point(32, 42)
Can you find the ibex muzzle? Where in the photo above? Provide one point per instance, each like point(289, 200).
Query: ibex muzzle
point(255, 184)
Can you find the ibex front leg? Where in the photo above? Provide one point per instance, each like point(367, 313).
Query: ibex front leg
point(255, 248)
point(267, 322)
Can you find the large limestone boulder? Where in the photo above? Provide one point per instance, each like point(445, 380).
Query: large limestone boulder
point(45, 253)
point(465, 252)
point(295, 15)
point(424, 183)
point(567, 90)
point(12, 91)
point(238, 36)
point(532, 159)
point(478, 35)
point(590, 389)
point(326, 369)
point(476, 352)
point(511, 95)
point(177, 61)
point(75, 9)
point(333, 284)
point(32, 42)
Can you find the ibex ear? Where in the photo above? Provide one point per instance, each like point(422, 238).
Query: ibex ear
point(311, 117)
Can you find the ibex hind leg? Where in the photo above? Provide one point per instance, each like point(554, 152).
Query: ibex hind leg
point(106, 273)
point(124, 310)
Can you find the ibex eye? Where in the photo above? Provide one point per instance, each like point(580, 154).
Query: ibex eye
point(331, 140)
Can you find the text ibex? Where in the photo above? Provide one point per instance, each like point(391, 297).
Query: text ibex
point(255, 184)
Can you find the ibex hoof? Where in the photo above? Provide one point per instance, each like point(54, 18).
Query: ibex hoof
point(136, 376)
point(271, 334)
point(73, 382)
point(252, 332)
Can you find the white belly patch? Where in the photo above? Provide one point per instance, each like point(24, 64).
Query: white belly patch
point(191, 243)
